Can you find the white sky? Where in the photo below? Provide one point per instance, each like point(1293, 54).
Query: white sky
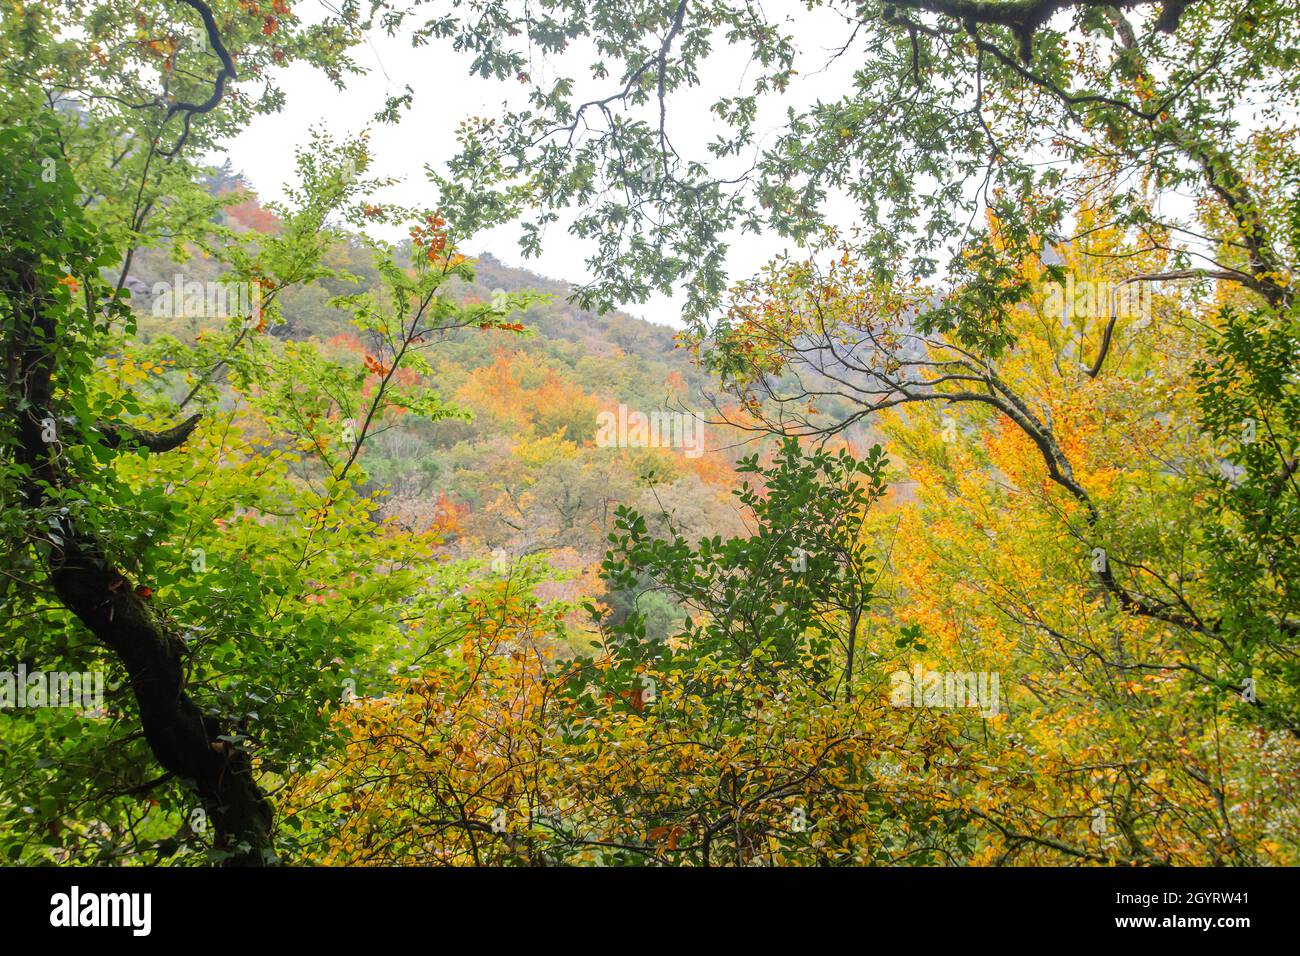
point(445, 94)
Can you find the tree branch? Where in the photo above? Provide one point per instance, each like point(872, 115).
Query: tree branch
point(128, 436)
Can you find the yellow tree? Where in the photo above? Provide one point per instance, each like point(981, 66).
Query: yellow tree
point(1053, 529)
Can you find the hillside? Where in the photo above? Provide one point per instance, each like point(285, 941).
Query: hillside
point(520, 472)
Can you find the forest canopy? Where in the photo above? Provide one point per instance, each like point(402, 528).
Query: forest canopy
point(961, 531)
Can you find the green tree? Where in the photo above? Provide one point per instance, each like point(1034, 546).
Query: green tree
point(793, 590)
point(947, 110)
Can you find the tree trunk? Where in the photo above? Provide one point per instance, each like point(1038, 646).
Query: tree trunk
point(183, 740)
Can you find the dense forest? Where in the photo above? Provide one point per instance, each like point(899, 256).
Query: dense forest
point(963, 529)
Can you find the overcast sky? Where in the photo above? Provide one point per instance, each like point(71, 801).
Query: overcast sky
point(445, 94)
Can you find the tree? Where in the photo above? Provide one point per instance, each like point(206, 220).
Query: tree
point(97, 139)
point(944, 111)
point(801, 574)
point(731, 743)
point(992, 153)
point(1125, 736)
